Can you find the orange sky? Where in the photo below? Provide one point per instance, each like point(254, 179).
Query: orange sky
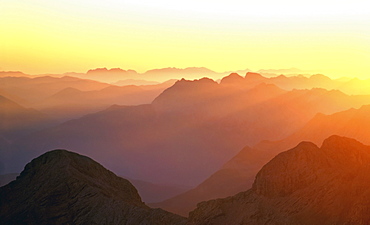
point(43, 36)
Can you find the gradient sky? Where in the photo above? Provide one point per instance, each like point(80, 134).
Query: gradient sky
point(43, 36)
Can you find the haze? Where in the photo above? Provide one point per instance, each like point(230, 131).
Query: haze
point(330, 37)
point(184, 112)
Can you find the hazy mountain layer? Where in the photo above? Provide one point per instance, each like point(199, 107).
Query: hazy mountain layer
point(199, 123)
point(239, 173)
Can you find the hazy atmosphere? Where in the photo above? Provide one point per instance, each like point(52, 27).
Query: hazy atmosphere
point(330, 37)
point(184, 112)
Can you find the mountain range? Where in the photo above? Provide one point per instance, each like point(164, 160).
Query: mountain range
point(304, 185)
point(65, 98)
point(239, 172)
point(287, 79)
point(182, 142)
point(199, 123)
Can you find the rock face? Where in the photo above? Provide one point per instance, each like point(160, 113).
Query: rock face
point(305, 185)
point(62, 187)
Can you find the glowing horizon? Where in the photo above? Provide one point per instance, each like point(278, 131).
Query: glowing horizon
point(331, 37)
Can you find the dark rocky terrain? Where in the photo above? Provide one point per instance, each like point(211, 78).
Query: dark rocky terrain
point(304, 185)
point(61, 187)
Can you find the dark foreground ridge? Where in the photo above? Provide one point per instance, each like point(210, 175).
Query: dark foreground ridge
point(304, 185)
point(62, 187)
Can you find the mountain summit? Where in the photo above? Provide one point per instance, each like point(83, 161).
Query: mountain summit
point(61, 187)
point(304, 185)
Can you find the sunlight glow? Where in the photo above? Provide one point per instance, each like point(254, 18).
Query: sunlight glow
point(57, 36)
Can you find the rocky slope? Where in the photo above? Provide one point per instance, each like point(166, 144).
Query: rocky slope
point(305, 185)
point(62, 187)
point(239, 172)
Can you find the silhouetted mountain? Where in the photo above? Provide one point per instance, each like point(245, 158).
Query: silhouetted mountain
point(353, 86)
point(38, 88)
point(15, 120)
point(239, 172)
point(69, 97)
point(149, 192)
point(198, 123)
point(353, 123)
point(134, 82)
point(111, 75)
point(62, 187)
point(305, 185)
point(72, 103)
point(177, 73)
point(12, 74)
point(234, 79)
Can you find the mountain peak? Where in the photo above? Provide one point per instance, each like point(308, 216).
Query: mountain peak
point(335, 141)
point(62, 187)
point(304, 185)
point(252, 75)
point(280, 176)
point(345, 151)
point(233, 78)
point(70, 164)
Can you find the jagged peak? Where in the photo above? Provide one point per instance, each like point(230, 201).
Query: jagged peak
point(336, 140)
point(198, 82)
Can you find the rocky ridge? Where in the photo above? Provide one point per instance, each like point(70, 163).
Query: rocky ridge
point(61, 187)
point(305, 185)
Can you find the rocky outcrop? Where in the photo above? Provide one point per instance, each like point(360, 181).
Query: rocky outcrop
point(62, 187)
point(305, 185)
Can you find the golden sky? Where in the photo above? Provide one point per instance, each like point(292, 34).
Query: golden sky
point(44, 36)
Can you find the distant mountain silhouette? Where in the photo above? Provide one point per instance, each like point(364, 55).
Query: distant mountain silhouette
point(16, 120)
point(199, 123)
point(349, 86)
point(353, 123)
point(71, 103)
point(38, 88)
point(134, 82)
point(110, 75)
point(304, 185)
point(13, 74)
point(61, 187)
point(67, 98)
point(160, 75)
point(177, 73)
